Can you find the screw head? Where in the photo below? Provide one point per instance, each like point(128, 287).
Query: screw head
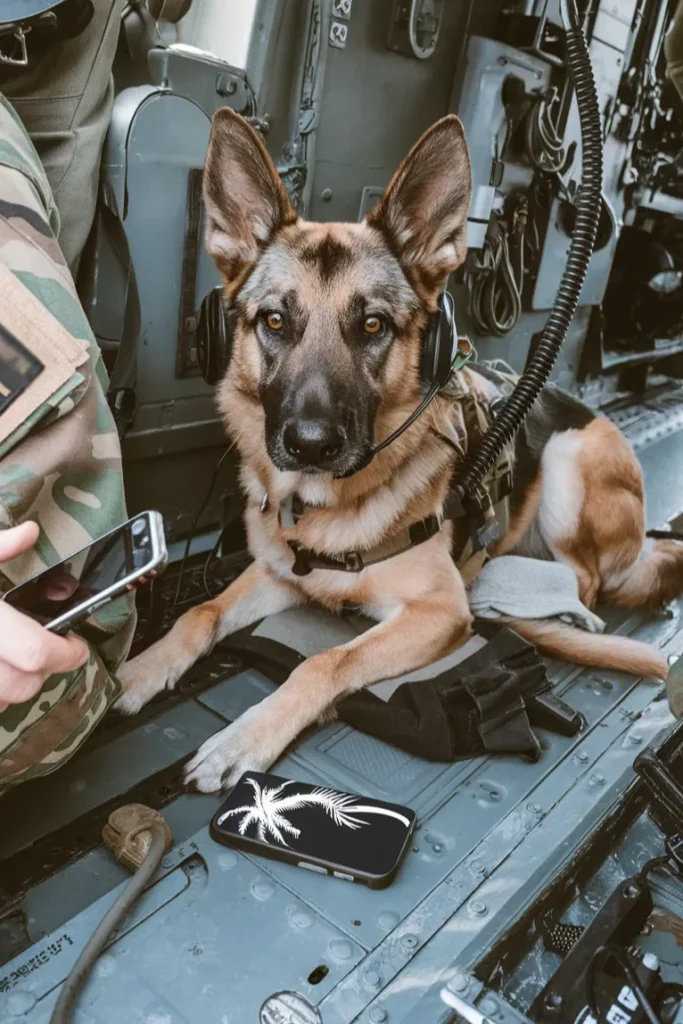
point(378, 1015)
point(553, 1001)
point(326, 195)
point(372, 978)
point(651, 961)
point(459, 982)
point(478, 908)
point(582, 756)
point(489, 1006)
point(409, 941)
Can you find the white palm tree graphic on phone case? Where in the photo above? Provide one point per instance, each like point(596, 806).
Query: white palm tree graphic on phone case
point(269, 809)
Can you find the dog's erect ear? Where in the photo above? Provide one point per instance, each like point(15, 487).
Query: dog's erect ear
point(424, 209)
point(245, 199)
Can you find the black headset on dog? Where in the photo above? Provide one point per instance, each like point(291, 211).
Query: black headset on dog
point(443, 353)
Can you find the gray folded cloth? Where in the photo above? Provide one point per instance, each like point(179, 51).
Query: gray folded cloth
point(529, 588)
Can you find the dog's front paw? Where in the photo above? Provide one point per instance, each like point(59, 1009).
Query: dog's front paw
point(222, 760)
point(141, 679)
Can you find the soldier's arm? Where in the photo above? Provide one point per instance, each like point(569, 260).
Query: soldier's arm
point(60, 467)
point(673, 50)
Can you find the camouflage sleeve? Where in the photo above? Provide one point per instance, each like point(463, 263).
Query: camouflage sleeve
point(61, 468)
point(673, 49)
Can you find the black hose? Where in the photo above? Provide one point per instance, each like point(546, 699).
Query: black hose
point(589, 198)
point(112, 919)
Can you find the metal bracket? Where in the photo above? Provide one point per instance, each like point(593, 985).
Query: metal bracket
point(370, 196)
point(415, 27)
point(19, 36)
point(477, 1005)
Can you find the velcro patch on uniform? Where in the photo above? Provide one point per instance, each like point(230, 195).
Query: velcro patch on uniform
point(18, 367)
point(38, 356)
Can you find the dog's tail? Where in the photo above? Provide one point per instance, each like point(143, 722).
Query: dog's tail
point(652, 581)
point(596, 650)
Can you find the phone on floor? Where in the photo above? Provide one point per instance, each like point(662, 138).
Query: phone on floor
point(70, 591)
point(351, 837)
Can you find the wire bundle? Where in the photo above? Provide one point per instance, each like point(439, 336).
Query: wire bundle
point(511, 417)
point(496, 279)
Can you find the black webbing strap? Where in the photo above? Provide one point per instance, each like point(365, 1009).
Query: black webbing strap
point(123, 375)
point(305, 560)
point(187, 322)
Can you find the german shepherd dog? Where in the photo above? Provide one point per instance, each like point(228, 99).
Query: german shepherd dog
point(329, 328)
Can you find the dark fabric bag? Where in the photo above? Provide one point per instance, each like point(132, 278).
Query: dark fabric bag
point(486, 704)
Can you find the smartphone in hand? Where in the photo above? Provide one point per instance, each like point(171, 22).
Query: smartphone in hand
point(70, 591)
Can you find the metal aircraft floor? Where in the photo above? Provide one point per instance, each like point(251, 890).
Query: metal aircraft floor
point(219, 932)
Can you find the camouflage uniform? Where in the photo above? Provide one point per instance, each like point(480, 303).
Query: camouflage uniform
point(65, 103)
point(673, 49)
point(61, 468)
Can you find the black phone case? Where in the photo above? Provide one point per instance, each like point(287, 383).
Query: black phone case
point(351, 837)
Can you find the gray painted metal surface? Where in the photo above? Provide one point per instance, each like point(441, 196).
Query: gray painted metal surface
point(221, 931)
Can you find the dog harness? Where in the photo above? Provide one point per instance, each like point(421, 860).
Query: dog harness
point(479, 521)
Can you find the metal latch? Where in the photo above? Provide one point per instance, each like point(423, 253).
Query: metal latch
point(13, 36)
point(415, 27)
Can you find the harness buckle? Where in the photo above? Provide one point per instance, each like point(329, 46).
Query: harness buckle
point(306, 561)
point(482, 525)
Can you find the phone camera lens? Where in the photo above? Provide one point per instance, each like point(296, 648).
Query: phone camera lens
point(139, 527)
point(139, 531)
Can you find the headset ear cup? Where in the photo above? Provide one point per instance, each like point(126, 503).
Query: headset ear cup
point(440, 345)
point(213, 338)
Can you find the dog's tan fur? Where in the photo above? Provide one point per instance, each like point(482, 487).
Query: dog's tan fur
point(402, 254)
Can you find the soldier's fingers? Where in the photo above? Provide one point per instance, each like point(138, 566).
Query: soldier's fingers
point(17, 540)
point(29, 647)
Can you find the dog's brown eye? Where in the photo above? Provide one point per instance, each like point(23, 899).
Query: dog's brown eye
point(372, 325)
point(274, 321)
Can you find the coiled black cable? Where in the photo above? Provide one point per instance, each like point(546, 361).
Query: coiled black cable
point(538, 370)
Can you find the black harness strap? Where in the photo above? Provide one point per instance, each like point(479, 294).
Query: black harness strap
point(480, 531)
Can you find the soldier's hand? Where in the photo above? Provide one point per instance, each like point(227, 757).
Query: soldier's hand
point(29, 654)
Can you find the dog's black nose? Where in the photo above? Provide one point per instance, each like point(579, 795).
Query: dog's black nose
point(313, 442)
